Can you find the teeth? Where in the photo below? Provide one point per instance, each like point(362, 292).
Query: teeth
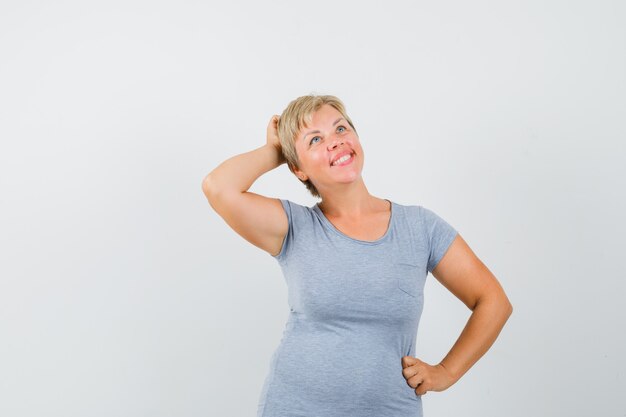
point(342, 159)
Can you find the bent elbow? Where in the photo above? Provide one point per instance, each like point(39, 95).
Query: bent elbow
point(507, 308)
point(207, 186)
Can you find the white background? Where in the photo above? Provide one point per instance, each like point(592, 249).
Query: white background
point(122, 293)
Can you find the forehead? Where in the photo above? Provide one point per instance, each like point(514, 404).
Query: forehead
point(321, 115)
point(322, 118)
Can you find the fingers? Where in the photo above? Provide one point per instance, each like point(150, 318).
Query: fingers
point(419, 384)
point(418, 381)
point(416, 375)
point(410, 368)
point(409, 361)
point(413, 376)
point(410, 372)
point(424, 377)
point(273, 121)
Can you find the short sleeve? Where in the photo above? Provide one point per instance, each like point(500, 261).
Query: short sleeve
point(289, 236)
point(440, 236)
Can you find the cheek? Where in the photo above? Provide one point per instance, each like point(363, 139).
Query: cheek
point(301, 157)
point(319, 159)
point(356, 145)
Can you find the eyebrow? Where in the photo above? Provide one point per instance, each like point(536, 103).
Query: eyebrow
point(317, 131)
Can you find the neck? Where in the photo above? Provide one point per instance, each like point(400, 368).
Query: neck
point(352, 201)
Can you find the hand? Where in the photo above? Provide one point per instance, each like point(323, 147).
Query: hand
point(272, 137)
point(424, 377)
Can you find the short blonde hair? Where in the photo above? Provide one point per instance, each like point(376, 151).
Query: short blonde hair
point(298, 113)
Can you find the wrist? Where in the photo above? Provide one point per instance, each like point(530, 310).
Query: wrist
point(277, 153)
point(453, 376)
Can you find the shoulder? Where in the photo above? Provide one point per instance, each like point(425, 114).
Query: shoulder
point(425, 215)
point(300, 217)
point(428, 222)
point(412, 212)
point(295, 210)
point(300, 222)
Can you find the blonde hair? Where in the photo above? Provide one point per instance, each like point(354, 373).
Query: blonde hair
point(298, 113)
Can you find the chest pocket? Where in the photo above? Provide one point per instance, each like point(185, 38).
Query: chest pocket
point(409, 277)
point(410, 271)
point(408, 258)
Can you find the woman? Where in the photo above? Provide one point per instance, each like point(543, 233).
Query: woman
point(355, 267)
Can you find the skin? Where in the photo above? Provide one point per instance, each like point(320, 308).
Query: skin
point(346, 201)
point(345, 198)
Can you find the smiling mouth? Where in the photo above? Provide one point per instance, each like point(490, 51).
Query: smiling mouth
point(345, 162)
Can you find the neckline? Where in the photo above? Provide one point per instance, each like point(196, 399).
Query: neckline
point(342, 234)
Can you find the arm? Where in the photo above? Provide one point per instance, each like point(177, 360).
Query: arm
point(258, 219)
point(461, 272)
point(239, 172)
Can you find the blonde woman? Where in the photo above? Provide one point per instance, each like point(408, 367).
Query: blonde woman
point(355, 267)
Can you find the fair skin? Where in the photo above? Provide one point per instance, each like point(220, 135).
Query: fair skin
point(463, 274)
point(347, 203)
point(349, 206)
point(345, 199)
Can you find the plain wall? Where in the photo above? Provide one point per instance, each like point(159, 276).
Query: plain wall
point(122, 293)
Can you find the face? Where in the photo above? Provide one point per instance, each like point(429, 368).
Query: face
point(328, 137)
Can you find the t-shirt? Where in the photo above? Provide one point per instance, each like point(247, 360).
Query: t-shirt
point(355, 307)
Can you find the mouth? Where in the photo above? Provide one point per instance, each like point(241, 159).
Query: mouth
point(344, 160)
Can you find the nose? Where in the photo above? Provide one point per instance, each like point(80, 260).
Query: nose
point(337, 141)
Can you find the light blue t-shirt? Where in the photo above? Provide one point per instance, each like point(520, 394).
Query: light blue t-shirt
point(355, 307)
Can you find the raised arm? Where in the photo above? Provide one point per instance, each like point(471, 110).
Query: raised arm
point(258, 219)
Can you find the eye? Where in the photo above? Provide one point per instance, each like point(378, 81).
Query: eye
point(338, 127)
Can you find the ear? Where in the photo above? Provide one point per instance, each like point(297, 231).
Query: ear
point(298, 173)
